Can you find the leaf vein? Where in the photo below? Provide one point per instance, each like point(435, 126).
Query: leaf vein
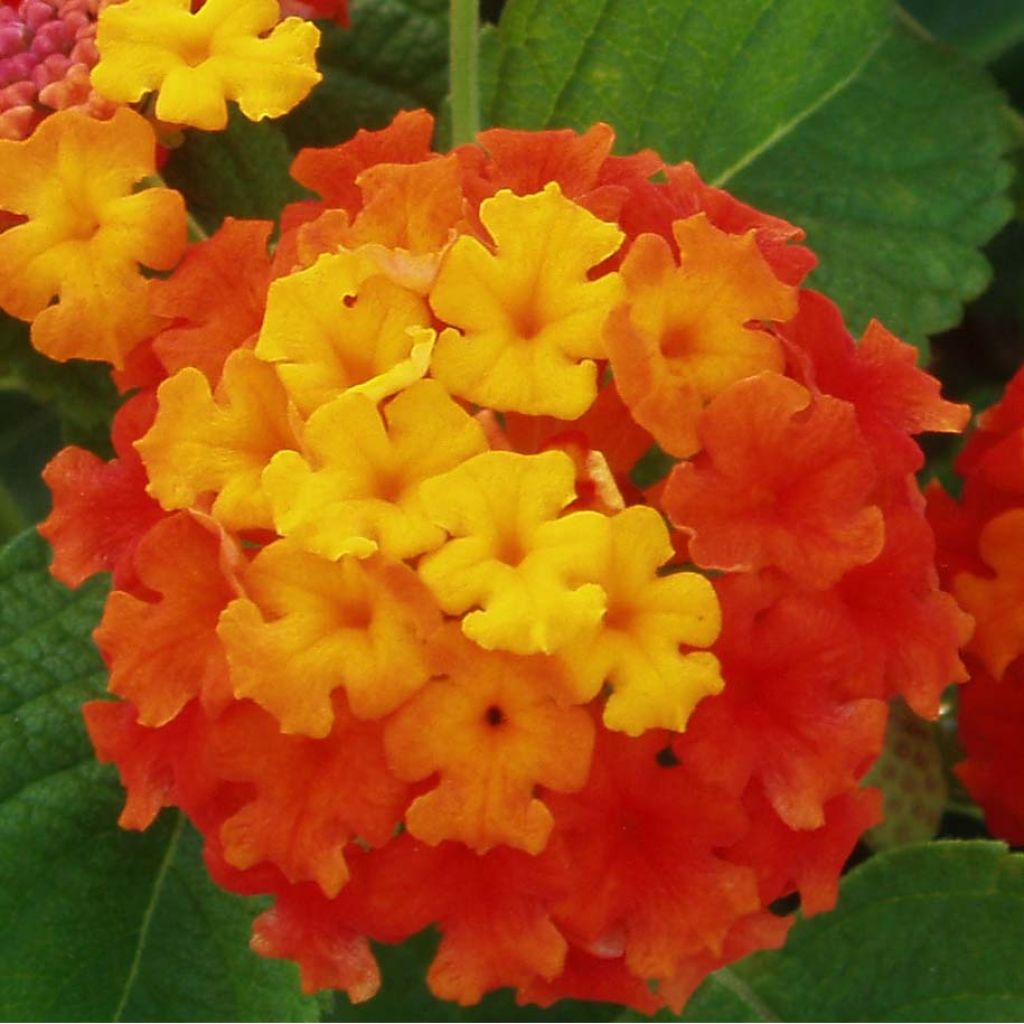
point(584, 48)
point(730, 980)
point(147, 916)
point(788, 127)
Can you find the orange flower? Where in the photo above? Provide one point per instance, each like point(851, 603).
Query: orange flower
point(309, 798)
point(424, 652)
point(497, 732)
point(101, 509)
point(979, 556)
point(163, 653)
point(309, 626)
point(997, 603)
point(991, 722)
point(892, 397)
point(332, 172)
point(645, 843)
point(162, 767)
point(784, 481)
point(216, 445)
point(688, 332)
point(215, 298)
point(85, 234)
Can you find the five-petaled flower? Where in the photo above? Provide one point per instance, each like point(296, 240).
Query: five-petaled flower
point(196, 61)
point(85, 234)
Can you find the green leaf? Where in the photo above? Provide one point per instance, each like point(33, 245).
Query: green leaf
point(12, 519)
point(81, 393)
point(30, 435)
point(884, 148)
point(697, 81)
point(239, 172)
point(983, 29)
point(97, 923)
point(898, 182)
point(932, 932)
point(395, 57)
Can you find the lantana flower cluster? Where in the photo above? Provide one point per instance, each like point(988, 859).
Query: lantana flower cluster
point(512, 546)
point(981, 542)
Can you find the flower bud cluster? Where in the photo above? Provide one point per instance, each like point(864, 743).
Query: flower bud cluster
point(47, 50)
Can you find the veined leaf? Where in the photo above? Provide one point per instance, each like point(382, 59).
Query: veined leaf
point(983, 29)
point(885, 148)
point(81, 394)
point(394, 57)
point(932, 932)
point(239, 172)
point(97, 923)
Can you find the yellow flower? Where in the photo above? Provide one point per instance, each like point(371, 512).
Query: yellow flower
point(512, 558)
point(85, 234)
point(308, 626)
point(339, 325)
point(359, 489)
point(195, 62)
point(218, 444)
point(530, 318)
point(649, 617)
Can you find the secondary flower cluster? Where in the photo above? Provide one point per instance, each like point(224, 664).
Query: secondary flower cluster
point(191, 55)
point(513, 548)
point(981, 558)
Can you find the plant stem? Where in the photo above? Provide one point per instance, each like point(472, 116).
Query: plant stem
point(464, 70)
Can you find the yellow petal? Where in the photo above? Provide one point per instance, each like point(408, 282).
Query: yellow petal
point(512, 564)
point(229, 49)
point(360, 488)
point(218, 444)
point(529, 317)
point(339, 324)
point(309, 626)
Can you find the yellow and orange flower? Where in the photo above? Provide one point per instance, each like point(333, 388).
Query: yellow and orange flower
point(424, 647)
point(85, 234)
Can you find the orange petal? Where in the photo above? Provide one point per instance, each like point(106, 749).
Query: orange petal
point(493, 730)
point(784, 481)
point(163, 653)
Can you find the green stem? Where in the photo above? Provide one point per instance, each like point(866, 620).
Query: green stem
point(464, 70)
point(196, 231)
